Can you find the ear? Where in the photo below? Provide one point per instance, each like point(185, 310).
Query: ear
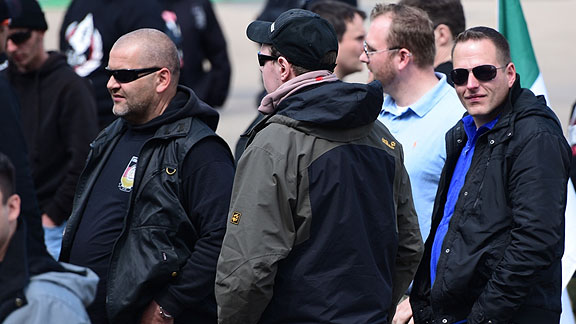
point(41, 33)
point(442, 35)
point(511, 74)
point(13, 204)
point(404, 57)
point(163, 79)
point(285, 67)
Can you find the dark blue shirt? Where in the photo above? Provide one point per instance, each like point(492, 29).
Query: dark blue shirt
point(456, 183)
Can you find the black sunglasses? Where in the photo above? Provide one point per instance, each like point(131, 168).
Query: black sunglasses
point(481, 73)
point(20, 37)
point(263, 58)
point(129, 75)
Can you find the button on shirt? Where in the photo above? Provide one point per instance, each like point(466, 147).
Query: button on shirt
point(421, 128)
point(456, 184)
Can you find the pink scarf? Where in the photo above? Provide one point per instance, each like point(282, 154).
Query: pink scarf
point(271, 100)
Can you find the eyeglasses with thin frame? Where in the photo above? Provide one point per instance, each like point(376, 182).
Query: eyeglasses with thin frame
point(129, 75)
point(20, 37)
point(263, 58)
point(370, 53)
point(484, 73)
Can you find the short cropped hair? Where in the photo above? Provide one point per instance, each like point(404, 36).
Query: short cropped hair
point(337, 13)
point(411, 29)
point(156, 49)
point(7, 180)
point(447, 12)
point(329, 59)
point(482, 32)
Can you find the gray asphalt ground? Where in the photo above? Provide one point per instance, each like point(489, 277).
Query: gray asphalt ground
point(550, 22)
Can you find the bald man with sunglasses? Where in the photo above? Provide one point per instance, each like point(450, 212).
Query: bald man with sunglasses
point(151, 205)
point(495, 247)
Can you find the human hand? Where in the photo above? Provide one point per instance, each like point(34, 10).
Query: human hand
point(152, 315)
point(403, 313)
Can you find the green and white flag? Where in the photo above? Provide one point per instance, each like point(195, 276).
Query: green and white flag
point(513, 26)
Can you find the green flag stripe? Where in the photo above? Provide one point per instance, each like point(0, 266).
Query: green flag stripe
point(513, 26)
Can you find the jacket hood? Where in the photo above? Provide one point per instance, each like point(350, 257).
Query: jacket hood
point(81, 281)
point(184, 104)
point(335, 104)
point(55, 61)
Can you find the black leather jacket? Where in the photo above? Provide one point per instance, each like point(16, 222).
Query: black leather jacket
point(158, 235)
point(500, 259)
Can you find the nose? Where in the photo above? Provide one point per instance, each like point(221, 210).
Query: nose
point(364, 58)
point(10, 46)
point(112, 84)
point(472, 82)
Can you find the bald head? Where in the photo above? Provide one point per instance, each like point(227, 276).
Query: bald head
point(153, 48)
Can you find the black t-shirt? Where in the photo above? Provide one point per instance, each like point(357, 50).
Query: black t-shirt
point(104, 214)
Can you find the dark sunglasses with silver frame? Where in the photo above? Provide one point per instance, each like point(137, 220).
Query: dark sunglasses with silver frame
point(483, 73)
point(129, 75)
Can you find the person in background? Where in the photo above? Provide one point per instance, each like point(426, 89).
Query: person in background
point(48, 297)
point(448, 19)
point(273, 8)
point(205, 64)
point(497, 238)
point(150, 209)
point(59, 118)
point(13, 145)
point(322, 226)
point(348, 22)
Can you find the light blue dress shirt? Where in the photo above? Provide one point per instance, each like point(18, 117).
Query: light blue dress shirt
point(421, 128)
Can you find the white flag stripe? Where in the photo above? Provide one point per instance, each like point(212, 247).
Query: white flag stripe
point(569, 258)
point(567, 316)
point(539, 88)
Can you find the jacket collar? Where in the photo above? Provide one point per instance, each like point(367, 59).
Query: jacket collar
point(119, 126)
point(425, 103)
point(503, 130)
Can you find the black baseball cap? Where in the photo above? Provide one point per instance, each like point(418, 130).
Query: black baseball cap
point(301, 36)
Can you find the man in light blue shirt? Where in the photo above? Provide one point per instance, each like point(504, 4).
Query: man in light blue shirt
point(420, 128)
point(421, 106)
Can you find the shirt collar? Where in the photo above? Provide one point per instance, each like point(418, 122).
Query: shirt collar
point(425, 103)
point(472, 132)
